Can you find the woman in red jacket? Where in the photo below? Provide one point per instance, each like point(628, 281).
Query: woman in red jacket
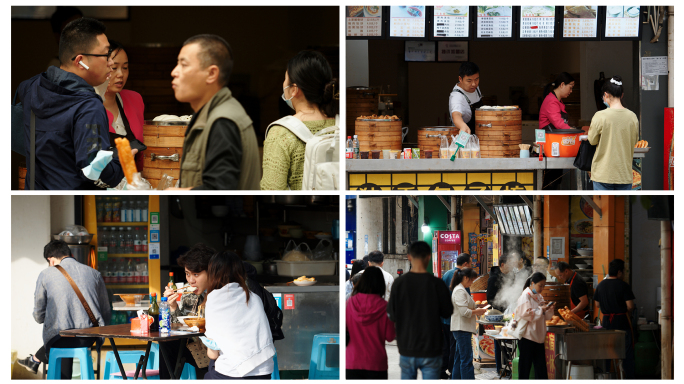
point(128, 124)
point(552, 111)
point(368, 327)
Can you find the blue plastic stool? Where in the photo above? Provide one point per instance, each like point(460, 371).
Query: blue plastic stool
point(127, 357)
point(317, 368)
point(82, 354)
point(188, 373)
point(276, 373)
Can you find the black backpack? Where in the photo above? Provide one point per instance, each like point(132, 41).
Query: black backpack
point(273, 312)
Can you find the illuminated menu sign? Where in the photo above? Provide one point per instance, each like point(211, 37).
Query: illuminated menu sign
point(580, 21)
point(622, 21)
point(451, 21)
point(407, 21)
point(537, 21)
point(364, 21)
point(494, 21)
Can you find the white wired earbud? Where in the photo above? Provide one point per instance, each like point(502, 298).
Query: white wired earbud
point(84, 66)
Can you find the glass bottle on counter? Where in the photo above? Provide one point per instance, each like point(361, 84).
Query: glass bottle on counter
point(153, 312)
point(116, 210)
point(107, 210)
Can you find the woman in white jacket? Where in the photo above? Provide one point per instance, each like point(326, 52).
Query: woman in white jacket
point(463, 324)
point(532, 308)
point(239, 337)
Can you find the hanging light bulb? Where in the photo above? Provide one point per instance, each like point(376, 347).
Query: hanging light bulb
point(426, 225)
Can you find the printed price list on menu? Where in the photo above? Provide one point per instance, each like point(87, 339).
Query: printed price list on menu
point(450, 25)
point(622, 27)
point(364, 26)
point(579, 28)
point(494, 26)
point(407, 27)
point(537, 26)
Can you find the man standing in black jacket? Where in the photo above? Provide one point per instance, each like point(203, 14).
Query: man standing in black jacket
point(417, 303)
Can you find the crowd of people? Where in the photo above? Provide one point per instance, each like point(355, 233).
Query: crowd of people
point(242, 318)
point(434, 320)
point(73, 112)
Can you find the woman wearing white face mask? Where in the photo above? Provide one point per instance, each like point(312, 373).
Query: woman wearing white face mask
point(311, 91)
point(125, 108)
point(615, 132)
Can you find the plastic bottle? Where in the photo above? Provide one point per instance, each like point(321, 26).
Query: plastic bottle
point(124, 211)
point(144, 272)
point(129, 272)
point(129, 210)
point(99, 209)
point(143, 210)
point(164, 316)
point(137, 213)
point(129, 240)
point(121, 272)
point(121, 240)
point(137, 243)
point(356, 146)
point(138, 271)
point(107, 210)
point(349, 153)
point(116, 210)
point(143, 241)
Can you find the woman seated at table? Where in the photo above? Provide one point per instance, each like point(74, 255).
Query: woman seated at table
point(238, 335)
point(534, 311)
point(125, 108)
point(463, 324)
point(195, 262)
point(615, 132)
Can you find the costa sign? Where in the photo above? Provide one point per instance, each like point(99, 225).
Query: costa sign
point(450, 237)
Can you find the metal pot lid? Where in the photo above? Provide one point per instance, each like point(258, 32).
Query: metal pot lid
point(166, 123)
point(438, 128)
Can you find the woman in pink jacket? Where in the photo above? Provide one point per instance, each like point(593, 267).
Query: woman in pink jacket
point(531, 307)
point(368, 327)
point(552, 111)
point(125, 108)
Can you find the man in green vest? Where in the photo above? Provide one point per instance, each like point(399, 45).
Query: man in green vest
point(220, 150)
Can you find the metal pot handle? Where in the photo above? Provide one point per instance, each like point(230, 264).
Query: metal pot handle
point(173, 157)
point(404, 132)
point(427, 136)
point(485, 125)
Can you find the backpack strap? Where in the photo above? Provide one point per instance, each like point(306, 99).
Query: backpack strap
point(293, 125)
point(32, 149)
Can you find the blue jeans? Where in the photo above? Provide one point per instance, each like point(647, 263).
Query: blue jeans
point(430, 366)
point(463, 358)
point(611, 187)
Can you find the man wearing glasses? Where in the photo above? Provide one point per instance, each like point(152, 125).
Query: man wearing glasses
point(72, 148)
point(58, 307)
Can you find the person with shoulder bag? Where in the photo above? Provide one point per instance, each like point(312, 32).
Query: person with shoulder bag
point(463, 324)
point(531, 313)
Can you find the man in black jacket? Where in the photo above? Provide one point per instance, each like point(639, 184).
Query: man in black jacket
point(417, 302)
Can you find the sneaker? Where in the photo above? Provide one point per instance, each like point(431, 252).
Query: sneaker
point(29, 364)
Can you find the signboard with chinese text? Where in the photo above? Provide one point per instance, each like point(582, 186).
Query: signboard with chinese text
point(420, 51)
point(364, 21)
point(494, 22)
point(580, 22)
point(537, 22)
point(622, 22)
point(407, 21)
point(452, 51)
point(451, 21)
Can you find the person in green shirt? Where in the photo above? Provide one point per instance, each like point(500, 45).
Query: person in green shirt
point(615, 132)
point(309, 89)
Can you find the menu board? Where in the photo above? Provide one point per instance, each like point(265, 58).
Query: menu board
point(407, 21)
point(494, 21)
point(364, 21)
point(622, 21)
point(537, 21)
point(451, 21)
point(580, 21)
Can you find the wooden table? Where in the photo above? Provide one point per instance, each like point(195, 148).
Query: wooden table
point(123, 331)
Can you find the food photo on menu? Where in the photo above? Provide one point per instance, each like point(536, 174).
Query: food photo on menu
point(255, 121)
point(431, 105)
point(175, 287)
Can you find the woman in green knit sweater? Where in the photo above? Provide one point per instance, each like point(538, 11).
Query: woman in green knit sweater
point(308, 89)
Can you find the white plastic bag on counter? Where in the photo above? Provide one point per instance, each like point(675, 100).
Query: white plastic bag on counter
point(305, 249)
point(475, 149)
point(444, 147)
point(323, 250)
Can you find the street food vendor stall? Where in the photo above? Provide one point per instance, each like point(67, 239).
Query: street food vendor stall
point(435, 42)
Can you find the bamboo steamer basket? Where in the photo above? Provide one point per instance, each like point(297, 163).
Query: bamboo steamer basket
point(361, 101)
point(430, 138)
point(499, 132)
point(164, 141)
point(375, 134)
point(480, 284)
point(560, 293)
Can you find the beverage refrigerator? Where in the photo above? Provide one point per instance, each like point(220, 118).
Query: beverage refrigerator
point(446, 246)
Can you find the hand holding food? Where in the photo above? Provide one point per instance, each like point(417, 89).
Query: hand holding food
point(171, 297)
point(126, 159)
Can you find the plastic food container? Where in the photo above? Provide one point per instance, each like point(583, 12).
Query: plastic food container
point(306, 268)
point(562, 142)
